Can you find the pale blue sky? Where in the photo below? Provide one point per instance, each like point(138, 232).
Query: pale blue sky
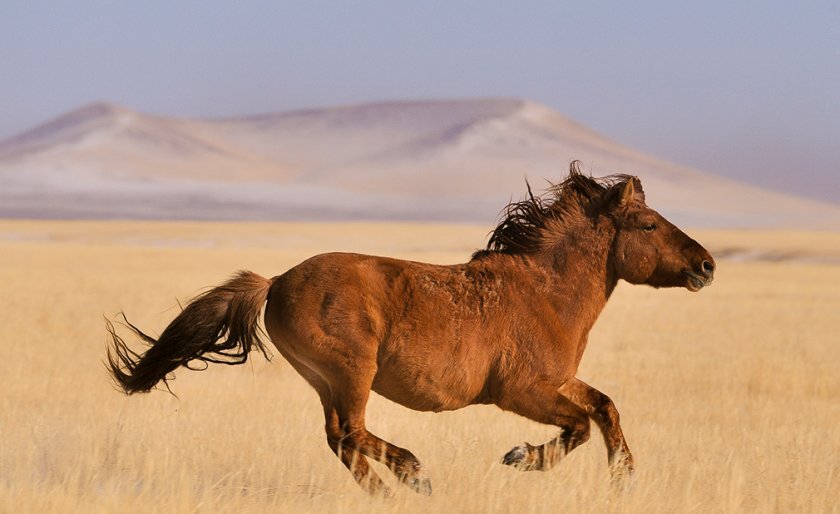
point(746, 89)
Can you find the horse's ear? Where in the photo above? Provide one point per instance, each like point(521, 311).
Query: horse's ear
point(625, 197)
point(638, 192)
point(630, 191)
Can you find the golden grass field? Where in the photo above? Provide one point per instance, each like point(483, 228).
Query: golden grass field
point(730, 398)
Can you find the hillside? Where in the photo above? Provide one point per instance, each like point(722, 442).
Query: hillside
point(435, 160)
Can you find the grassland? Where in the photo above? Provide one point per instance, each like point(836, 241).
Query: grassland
point(729, 397)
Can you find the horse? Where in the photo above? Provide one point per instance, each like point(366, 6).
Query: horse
point(508, 327)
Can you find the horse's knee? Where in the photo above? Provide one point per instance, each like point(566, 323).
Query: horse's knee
point(576, 433)
point(604, 411)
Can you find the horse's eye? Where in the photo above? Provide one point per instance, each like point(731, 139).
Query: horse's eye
point(649, 227)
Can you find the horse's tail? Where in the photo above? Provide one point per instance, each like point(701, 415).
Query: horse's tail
point(220, 325)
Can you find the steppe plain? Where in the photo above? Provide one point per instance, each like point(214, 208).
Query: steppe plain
point(728, 397)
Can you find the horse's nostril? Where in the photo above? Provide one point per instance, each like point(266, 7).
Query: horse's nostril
point(708, 267)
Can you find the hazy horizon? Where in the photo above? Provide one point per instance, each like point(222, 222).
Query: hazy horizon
point(750, 92)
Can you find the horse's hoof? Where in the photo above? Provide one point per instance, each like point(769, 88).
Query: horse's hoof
point(515, 456)
point(519, 458)
point(421, 485)
point(621, 472)
point(621, 480)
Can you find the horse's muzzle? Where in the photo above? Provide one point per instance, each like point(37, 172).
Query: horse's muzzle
point(704, 276)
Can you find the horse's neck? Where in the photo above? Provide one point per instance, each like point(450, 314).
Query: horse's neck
point(582, 273)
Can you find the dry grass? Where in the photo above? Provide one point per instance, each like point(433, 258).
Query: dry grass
point(729, 398)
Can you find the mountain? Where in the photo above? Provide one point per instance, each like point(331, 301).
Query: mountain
point(433, 160)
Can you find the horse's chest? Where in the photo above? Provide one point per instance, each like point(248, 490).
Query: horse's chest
point(550, 345)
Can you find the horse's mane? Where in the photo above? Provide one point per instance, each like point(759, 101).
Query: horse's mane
point(524, 225)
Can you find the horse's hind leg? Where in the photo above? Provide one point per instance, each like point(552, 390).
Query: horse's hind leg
point(344, 392)
point(352, 459)
point(543, 403)
point(337, 440)
point(602, 410)
point(349, 400)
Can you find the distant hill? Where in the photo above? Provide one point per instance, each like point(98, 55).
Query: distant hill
point(435, 160)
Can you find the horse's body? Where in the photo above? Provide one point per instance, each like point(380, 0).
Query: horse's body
point(435, 337)
point(508, 328)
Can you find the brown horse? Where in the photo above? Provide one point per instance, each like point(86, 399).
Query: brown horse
point(508, 327)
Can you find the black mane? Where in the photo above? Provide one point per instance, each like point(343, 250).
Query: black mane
point(523, 226)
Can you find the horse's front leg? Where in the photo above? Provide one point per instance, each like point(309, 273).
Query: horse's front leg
point(602, 410)
point(543, 403)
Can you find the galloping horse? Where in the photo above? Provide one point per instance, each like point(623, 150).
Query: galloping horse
point(508, 327)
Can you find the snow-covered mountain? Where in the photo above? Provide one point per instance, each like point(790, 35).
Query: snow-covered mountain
point(433, 160)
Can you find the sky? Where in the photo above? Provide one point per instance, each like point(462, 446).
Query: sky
point(748, 90)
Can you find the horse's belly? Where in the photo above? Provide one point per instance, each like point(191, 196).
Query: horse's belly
point(429, 390)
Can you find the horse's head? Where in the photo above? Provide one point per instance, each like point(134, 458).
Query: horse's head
point(648, 249)
point(645, 248)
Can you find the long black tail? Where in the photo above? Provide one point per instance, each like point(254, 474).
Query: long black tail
point(220, 325)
